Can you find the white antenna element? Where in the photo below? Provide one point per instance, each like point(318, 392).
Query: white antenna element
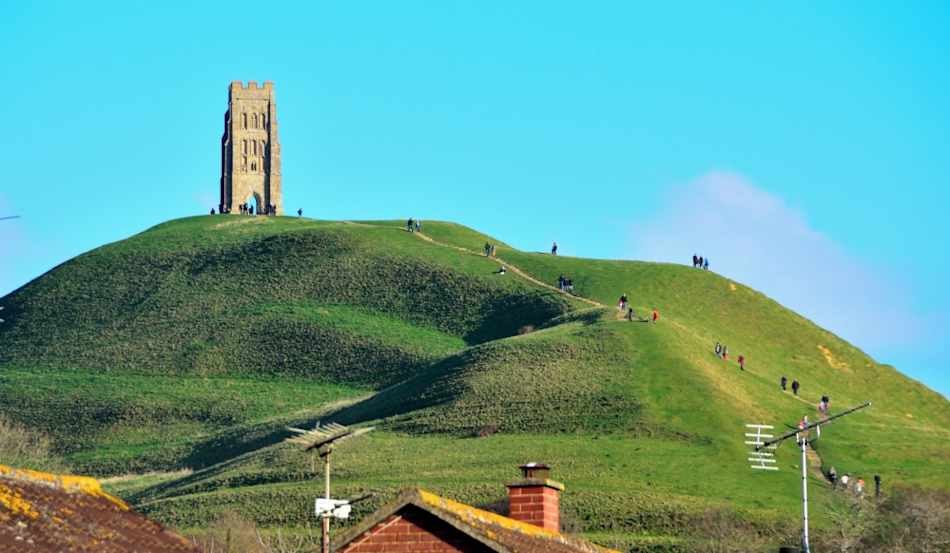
point(761, 460)
point(337, 508)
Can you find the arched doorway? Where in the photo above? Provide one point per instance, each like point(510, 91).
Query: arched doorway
point(254, 203)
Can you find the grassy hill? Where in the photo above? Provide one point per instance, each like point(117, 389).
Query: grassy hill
point(192, 345)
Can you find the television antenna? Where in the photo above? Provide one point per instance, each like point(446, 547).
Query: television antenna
point(802, 438)
point(321, 441)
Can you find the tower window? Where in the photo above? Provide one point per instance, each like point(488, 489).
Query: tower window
point(245, 145)
point(255, 120)
point(253, 166)
point(244, 117)
point(244, 165)
point(263, 122)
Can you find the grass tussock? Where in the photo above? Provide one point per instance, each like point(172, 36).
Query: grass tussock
point(21, 447)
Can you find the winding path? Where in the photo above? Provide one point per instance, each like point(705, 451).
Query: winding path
point(509, 267)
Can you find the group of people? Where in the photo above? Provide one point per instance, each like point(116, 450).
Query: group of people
point(700, 263)
point(565, 284)
point(784, 383)
point(623, 305)
point(414, 225)
point(247, 209)
point(489, 250)
point(848, 483)
point(722, 352)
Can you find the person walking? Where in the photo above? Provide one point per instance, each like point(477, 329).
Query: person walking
point(409, 225)
point(795, 387)
point(783, 382)
point(877, 486)
point(718, 349)
point(741, 363)
point(725, 353)
point(300, 213)
point(622, 304)
point(418, 225)
point(695, 261)
point(554, 249)
point(656, 315)
point(833, 477)
point(706, 264)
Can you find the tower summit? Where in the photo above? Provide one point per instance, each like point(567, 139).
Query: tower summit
point(250, 149)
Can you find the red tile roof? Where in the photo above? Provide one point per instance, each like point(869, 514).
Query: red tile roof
point(42, 512)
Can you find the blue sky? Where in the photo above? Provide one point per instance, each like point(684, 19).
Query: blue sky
point(802, 148)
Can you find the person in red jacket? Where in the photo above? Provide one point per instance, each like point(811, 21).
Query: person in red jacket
point(656, 315)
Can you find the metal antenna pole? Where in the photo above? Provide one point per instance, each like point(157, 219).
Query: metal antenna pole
point(804, 445)
point(325, 538)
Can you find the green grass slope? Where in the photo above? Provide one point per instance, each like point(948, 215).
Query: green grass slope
point(193, 344)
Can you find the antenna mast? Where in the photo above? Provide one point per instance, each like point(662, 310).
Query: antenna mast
point(320, 441)
point(763, 459)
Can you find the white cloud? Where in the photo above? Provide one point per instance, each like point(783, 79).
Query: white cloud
point(756, 238)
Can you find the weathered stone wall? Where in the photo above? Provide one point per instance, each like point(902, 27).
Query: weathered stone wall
point(250, 148)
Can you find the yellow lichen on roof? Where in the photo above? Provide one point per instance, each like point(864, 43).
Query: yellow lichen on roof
point(68, 483)
point(477, 517)
point(12, 501)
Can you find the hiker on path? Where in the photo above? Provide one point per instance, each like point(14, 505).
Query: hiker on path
point(877, 485)
point(487, 248)
point(212, 211)
point(718, 349)
point(622, 304)
point(833, 476)
point(418, 225)
point(845, 480)
point(695, 261)
point(795, 386)
point(630, 314)
point(725, 353)
point(554, 249)
point(706, 264)
point(656, 315)
point(502, 270)
point(783, 382)
point(409, 225)
point(741, 363)
point(492, 250)
point(700, 262)
point(300, 213)
point(823, 406)
point(859, 488)
point(560, 282)
point(251, 210)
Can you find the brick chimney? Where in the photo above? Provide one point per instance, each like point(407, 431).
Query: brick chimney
point(535, 499)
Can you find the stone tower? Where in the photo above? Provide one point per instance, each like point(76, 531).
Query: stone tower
point(250, 149)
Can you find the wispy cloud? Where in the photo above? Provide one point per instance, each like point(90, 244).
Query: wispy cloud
point(756, 238)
